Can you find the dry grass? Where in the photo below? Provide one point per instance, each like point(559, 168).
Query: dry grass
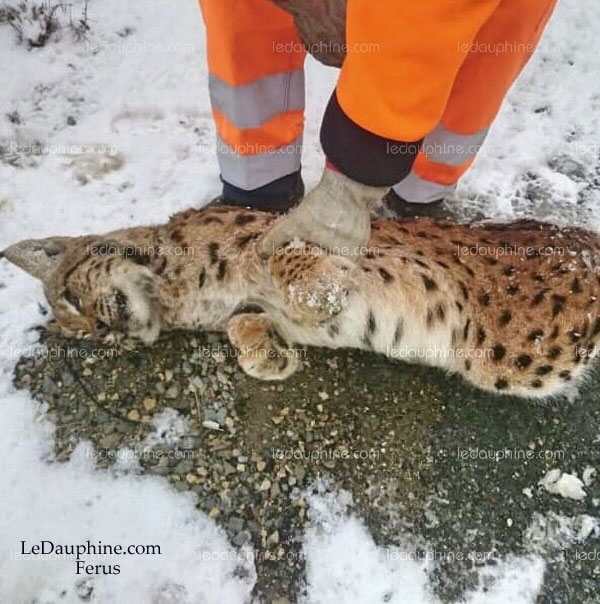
point(37, 22)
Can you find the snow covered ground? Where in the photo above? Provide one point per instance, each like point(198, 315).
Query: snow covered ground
point(115, 130)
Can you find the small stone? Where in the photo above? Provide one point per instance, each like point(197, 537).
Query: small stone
point(509, 522)
point(242, 538)
point(87, 372)
point(168, 375)
point(172, 392)
point(149, 404)
point(191, 478)
point(219, 357)
point(323, 396)
point(184, 466)
point(162, 467)
point(222, 378)
point(527, 492)
point(235, 524)
point(265, 485)
point(214, 512)
point(299, 472)
point(273, 538)
point(134, 415)
point(187, 368)
point(110, 441)
point(261, 465)
point(228, 468)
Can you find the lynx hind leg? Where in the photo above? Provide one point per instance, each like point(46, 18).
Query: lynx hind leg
point(262, 353)
point(315, 286)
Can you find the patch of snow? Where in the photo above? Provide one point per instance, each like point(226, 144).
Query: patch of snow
point(590, 527)
point(517, 580)
point(344, 565)
point(551, 533)
point(560, 483)
point(73, 502)
point(589, 475)
point(169, 426)
point(542, 152)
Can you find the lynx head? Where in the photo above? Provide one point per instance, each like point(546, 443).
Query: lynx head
point(99, 289)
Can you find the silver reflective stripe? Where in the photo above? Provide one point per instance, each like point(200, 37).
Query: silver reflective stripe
point(253, 104)
point(416, 190)
point(446, 147)
point(252, 171)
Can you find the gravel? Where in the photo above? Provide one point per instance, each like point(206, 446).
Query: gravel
point(389, 433)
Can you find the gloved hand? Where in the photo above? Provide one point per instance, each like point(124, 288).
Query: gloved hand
point(334, 215)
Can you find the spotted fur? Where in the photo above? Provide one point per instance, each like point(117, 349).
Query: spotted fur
point(523, 323)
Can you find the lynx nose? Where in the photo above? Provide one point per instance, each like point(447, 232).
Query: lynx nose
point(38, 257)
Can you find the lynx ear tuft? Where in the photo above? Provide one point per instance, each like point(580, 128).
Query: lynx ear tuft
point(38, 257)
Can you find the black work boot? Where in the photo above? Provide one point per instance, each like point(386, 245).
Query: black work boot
point(278, 196)
point(393, 206)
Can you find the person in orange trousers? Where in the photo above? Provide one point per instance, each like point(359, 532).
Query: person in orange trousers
point(417, 92)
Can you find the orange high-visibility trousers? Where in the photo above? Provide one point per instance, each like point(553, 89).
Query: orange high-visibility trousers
point(432, 73)
point(256, 84)
point(495, 58)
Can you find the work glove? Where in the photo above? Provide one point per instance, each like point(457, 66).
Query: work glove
point(334, 215)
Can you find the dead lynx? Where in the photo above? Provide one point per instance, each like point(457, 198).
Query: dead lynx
point(512, 307)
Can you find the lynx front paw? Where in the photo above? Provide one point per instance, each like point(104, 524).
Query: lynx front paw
point(261, 351)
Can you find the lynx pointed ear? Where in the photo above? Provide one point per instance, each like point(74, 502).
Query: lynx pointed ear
point(38, 257)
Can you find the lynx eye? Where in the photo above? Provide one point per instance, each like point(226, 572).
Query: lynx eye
point(72, 299)
point(101, 325)
point(121, 300)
